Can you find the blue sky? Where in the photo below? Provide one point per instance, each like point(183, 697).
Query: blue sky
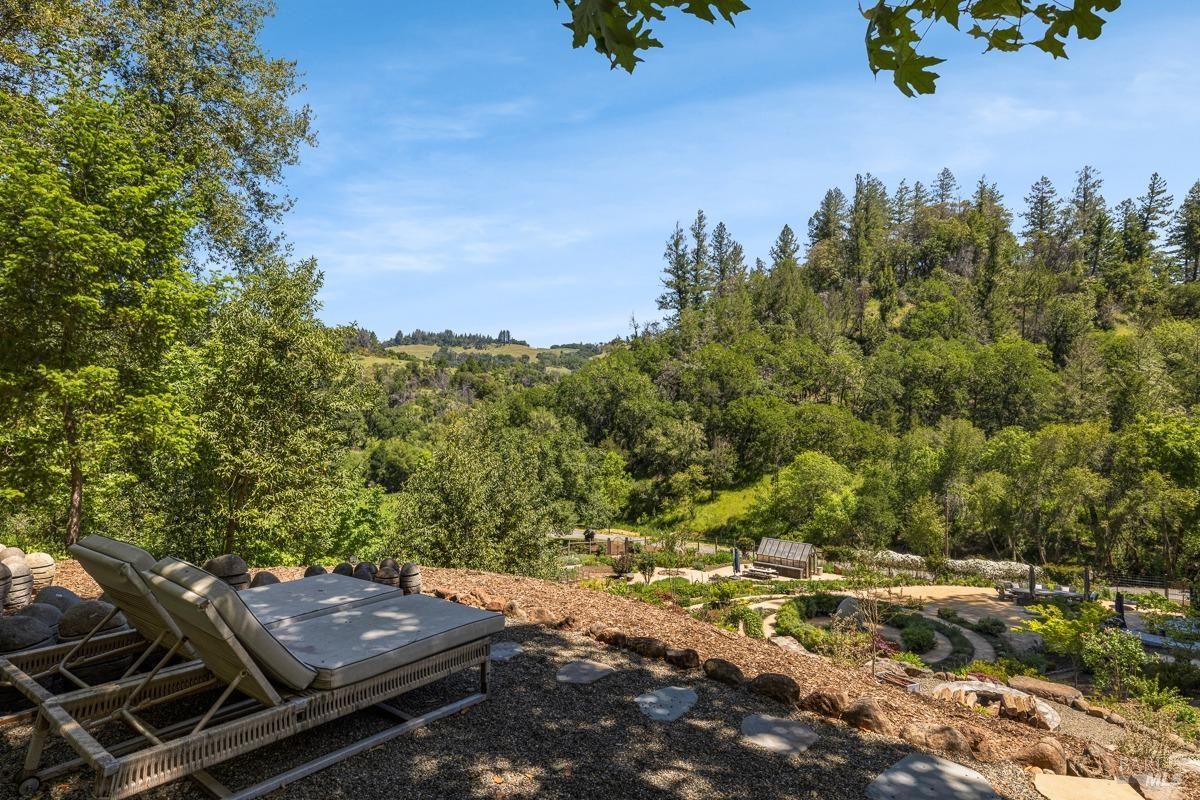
point(477, 173)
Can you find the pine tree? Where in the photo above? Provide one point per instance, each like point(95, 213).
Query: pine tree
point(945, 189)
point(785, 249)
point(902, 208)
point(1041, 209)
point(1154, 206)
point(1088, 222)
point(830, 220)
point(868, 226)
point(728, 260)
point(701, 266)
point(920, 197)
point(1185, 235)
point(677, 278)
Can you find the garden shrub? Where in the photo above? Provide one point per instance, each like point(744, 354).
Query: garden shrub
point(990, 626)
point(918, 638)
point(751, 619)
point(905, 657)
point(948, 614)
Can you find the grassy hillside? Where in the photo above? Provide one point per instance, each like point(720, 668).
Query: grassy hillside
point(711, 515)
point(426, 351)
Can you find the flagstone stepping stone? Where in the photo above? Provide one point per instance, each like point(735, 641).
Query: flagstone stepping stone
point(505, 650)
point(777, 734)
point(666, 705)
point(1063, 787)
point(921, 776)
point(583, 671)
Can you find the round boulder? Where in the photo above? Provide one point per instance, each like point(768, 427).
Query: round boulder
point(44, 613)
point(263, 578)
point(20, 633)
point(827, 704)
point(389, 576)
point(724, 671)
point(11, 552)
point(390, 563)
point(1047, 755)
point(315, 569)
point(867, 714)
point(226, 566)
point(81, 618)
point(344, 569)
point(364, 571)
point(57, 596)
point(776, 686)
point(17, 567)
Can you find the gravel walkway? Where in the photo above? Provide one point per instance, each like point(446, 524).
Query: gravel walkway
point(982, 647)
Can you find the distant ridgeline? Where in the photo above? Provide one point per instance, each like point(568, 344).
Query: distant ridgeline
point(449, 338)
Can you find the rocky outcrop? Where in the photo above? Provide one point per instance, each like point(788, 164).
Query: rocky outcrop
point(936, 736)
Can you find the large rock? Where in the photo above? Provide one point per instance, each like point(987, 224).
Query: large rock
point(1058, 692)
point(44, 613)
point(344, 569)
point(867, 714)
point(647, 646)
point(848, 608)
point(364, 571)
point(1067, 787)
point(314, 570)
point(12, 552)
point(1046, 717)
point(683, 658)
point(20, 632)
point(724, 671)
point(81, 618)
point(827, 704)
point(226, 566)
point(778, 687)
point(263, 578)
point(1046, 754)
point(1094, 762)
point(390, 563)
point(613, 636)
point(777, 734)
point(936, 736)
point(668, 704)
point(59, 597)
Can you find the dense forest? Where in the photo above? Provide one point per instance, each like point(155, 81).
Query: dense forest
point(930, 368)
point(449, 338)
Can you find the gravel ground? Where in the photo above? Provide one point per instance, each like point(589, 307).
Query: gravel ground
point(537, 738)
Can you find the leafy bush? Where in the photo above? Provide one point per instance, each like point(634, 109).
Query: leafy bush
point(1113, 656)
point(1180, 675)
point(751, 619)
point(990, 626)
point(918, 638)
point(948, 614)
point(906, 657)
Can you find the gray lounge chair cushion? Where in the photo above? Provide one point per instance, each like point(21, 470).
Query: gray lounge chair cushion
point(311, 595)
point(269, 653)
point(365, 639)
point(117, 567)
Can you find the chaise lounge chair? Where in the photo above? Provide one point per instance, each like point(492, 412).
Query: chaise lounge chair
point(300, 669)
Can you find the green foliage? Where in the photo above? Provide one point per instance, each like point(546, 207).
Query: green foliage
point(1112, 655)
point(918, 638)
point(1065, 630)
point(990, 626)
point(95, 302)
point(750, 619)
point(895, 30)
point(904, 657)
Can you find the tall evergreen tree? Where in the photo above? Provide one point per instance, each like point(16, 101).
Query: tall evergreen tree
point(786, 248)
point(728, 260)
point(830, 220)
point(1089, 225)
point(701, 265)
point(869, 216)
point(945, 189)
point(1185, 235)
point(1041, 213)
point(1154, 207)
point(677, 275)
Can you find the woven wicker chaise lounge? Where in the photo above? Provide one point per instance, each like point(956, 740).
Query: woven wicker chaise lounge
point(301, 669)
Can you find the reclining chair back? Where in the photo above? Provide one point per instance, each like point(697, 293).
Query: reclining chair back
point(118, 568)
point(233, 644)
